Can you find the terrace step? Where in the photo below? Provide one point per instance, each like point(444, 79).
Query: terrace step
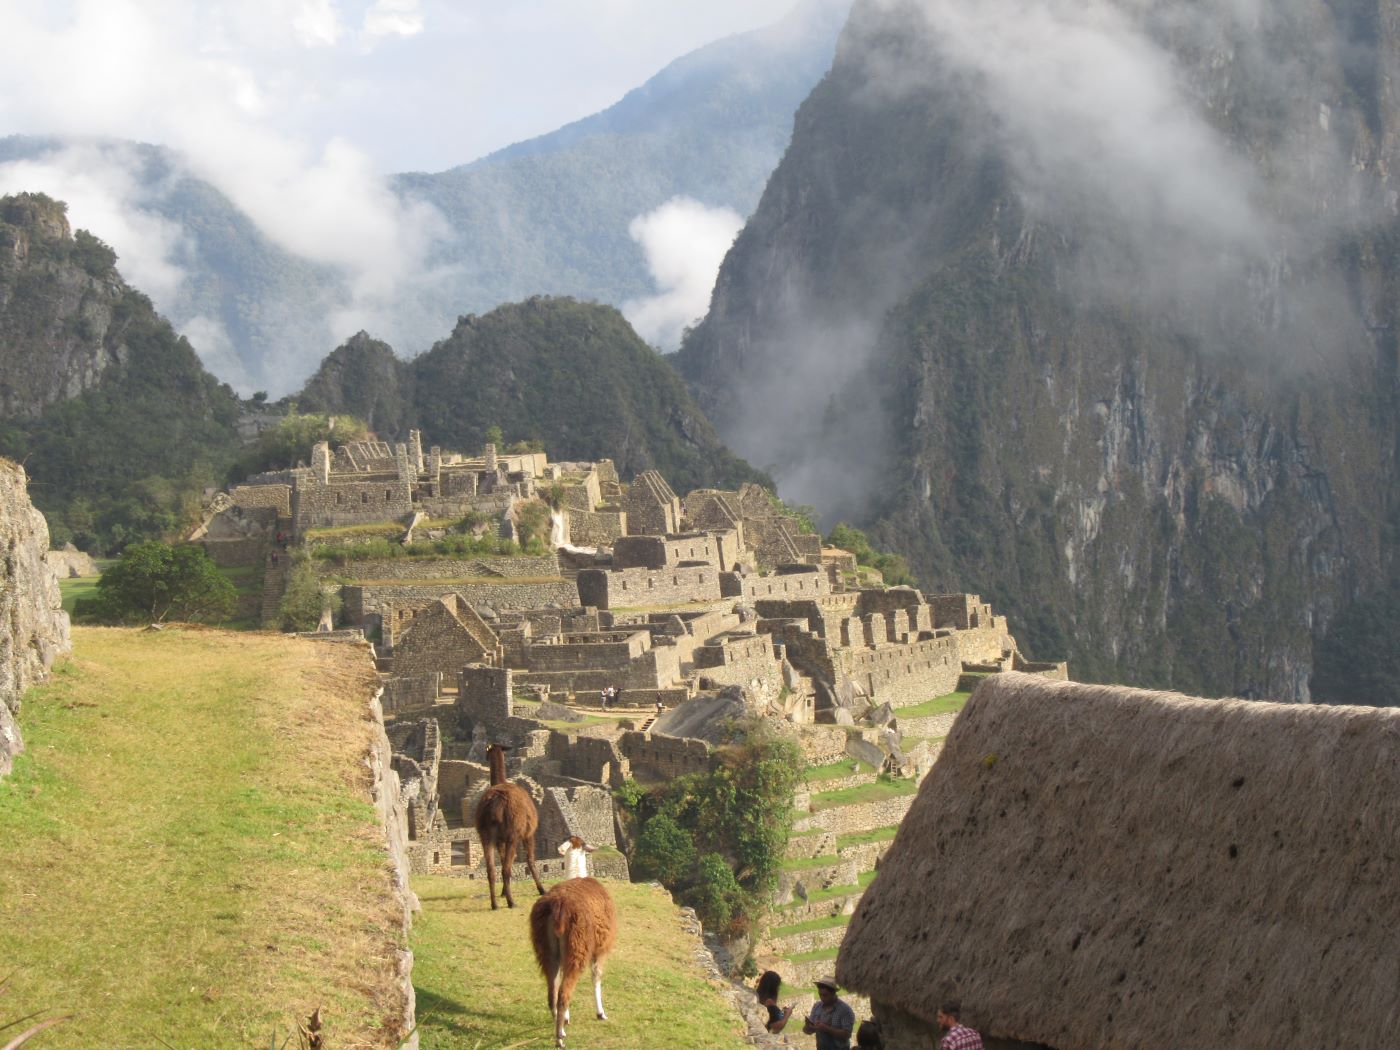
point(807, 940)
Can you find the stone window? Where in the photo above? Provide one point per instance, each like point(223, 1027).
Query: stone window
point(459, 854)
point(388, 495)
point(651, 584)
point(339, 498)
point(700, 578)
point(437, 858)
point(364, 497)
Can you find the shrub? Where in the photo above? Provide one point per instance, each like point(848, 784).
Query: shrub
point(154, 581)
point(736, 816)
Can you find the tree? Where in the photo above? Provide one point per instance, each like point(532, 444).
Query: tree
point(291, 440)
point(716, 839)
point(304, 600)
point(154, 582)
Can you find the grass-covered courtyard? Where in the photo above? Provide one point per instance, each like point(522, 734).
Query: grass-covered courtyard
point(478, 985)
point(190, 857)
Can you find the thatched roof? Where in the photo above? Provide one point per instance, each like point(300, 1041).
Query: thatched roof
point(1099, 867)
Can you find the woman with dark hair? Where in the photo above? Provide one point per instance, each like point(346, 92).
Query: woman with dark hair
point(767, 990)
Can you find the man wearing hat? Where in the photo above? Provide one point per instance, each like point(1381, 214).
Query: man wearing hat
point(830, 1019)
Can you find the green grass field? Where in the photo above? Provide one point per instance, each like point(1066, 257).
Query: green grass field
point(851, 796)
point(836, 770)
point(864, 880)
point(948, 704)
point(827, 922)
point(478, 985)
point(190, 858)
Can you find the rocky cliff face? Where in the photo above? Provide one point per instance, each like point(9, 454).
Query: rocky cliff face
point(33, 627)
point(58, 298)
point(109, 409)
point(1090, 308)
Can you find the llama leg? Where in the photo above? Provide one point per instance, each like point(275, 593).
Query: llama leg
point(507, 863)
point(566, 995)
point(598, 987)
point(530, 862)
point(489, 848)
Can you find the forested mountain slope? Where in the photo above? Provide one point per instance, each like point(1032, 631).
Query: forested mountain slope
point(572, 375)
point(111, 413)
point(1091, 308)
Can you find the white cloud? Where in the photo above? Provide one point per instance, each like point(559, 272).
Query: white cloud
point(105, 199)
point(316, 23)
point(684, 242)
point(392, 18)
point(184, 77)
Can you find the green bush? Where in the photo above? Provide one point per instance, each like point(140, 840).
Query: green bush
point(154, 581)
point(303, 600)
point(892, 567)
point(716, 839)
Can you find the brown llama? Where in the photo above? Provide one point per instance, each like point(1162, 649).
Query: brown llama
point(506, 820)
point(572, 926)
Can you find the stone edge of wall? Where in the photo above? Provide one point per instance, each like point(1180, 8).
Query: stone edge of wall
point(388, 803)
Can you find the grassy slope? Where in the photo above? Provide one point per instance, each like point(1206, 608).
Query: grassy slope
point(478, 985)
point(188, 850)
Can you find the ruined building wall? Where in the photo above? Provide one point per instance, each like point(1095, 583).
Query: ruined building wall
point(792, 586)
point(611, 588)
point(33, 625)
point(598, 528)
point(654, 757)
point(438, 641)
point(372, 599)
point(481, 568)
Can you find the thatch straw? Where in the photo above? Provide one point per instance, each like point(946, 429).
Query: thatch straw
point(1099, 867)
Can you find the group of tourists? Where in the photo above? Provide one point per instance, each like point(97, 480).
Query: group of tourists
point(833, 1021)
point(609, 695)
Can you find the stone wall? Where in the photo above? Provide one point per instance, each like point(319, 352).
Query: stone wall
point(356, 500)
point(777, 586)
point(278, 497)
point(583, 810)
point(663, 552)
point(859, 817)
point(611, 588)
point(657, 758)
point(371, 599)
point(471, 568)
point(33, 625)
point(410, 691)
point(905, 675)
point(387, 799)
point(596, 528)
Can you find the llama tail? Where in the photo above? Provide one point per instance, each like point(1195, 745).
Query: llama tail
point(547, 927)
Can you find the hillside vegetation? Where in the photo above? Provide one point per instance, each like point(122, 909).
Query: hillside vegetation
point(572, 375)
point(117, 423)
point(190, 856)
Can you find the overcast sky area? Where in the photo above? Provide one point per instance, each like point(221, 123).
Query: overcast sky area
point(409, 85)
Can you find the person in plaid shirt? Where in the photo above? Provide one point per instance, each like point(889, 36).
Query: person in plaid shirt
point(958, 1037)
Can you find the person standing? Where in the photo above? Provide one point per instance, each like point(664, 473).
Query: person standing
point(958, 1037)
point(575, 853)
point(831, 1019)
point(767, 991)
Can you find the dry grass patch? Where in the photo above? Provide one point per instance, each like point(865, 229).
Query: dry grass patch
point(190, 850)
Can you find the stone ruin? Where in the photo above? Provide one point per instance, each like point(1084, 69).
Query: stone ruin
point(696, 609)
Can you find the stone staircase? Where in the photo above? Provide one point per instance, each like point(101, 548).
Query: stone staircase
point(274, 585)
point(831, 859)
